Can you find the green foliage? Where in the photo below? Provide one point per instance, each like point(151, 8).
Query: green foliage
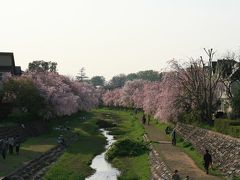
point(227, 126)
point(192, 117)
point(98, 80)
point(148, 75)
point(76, 160)
point(42, 66)
point(23, 94)
point(105, 124)
point(126, 147)
point(128, 127)
point(117, 81)
point(236, 101)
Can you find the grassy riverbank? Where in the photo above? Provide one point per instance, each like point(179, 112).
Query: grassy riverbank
point(136, 167)
point(30, 149)
point(76, 160)
point(74, 163)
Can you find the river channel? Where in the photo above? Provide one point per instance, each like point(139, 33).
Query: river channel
point(104, 170)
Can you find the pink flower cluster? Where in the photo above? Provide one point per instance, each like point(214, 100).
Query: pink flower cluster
point(155, 98)
point(64, 95)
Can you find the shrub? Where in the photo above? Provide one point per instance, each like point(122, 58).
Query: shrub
point(190, 117)
point(105, 124)
point(126, 147)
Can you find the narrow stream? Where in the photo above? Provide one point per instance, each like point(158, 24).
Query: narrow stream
point(104, 170)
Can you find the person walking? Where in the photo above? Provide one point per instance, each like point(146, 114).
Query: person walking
point(148, 119)
point(4, 148)
point(175, 175)
point(143, 119)
point(17, 144)
point(174, 137)
point(11, 144)
point(207, 161)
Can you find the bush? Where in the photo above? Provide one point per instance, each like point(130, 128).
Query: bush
point(190, 117)
point(105, 124)
point(126, 147)
point(227, 126)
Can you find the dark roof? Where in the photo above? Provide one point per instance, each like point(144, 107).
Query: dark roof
point(7, 63)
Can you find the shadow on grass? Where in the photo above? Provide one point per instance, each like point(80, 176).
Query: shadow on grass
point(14, 161)
point(87, 145)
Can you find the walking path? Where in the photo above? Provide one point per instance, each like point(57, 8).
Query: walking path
point(37, 168)
point(173, 157)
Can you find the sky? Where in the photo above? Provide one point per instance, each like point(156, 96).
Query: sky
point(109, 37)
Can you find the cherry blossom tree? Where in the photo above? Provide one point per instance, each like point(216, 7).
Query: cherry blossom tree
point(62, 95)
point(132, 94)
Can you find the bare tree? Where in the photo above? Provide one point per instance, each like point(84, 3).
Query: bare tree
point(198, 84)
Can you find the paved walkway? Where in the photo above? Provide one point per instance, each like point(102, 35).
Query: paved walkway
point(173, 157)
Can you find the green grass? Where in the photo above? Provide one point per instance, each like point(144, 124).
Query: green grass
point(137, 167)
point(29, 150)
point(74, 163)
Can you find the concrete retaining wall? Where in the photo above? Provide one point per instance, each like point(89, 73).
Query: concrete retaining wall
point(225, 150)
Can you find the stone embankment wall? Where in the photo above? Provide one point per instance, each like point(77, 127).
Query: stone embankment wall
point(159, 170)
point(225, 150)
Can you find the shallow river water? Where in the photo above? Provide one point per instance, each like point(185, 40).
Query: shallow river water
point(104, 170)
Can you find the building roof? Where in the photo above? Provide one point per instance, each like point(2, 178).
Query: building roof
point(7, 64)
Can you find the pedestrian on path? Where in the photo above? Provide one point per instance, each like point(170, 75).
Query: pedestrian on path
point(143, 119)
point(17, 144)
point(167, 130)
point(207, 161)
point(174, 137)
point(148, 119)
point(11, 144)
point(176, 176)
point(4, 147)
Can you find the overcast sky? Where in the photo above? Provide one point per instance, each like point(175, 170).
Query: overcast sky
point(110, 37)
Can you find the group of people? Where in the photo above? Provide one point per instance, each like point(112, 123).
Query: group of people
point(8, 144)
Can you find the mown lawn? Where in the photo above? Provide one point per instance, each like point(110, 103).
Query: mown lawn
point(75, 162)
point(137, 167)
point(29, 150)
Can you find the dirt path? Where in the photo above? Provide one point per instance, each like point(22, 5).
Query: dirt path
point(173, 157)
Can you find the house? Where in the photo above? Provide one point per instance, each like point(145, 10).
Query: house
point(230, 79)
point(7, 65)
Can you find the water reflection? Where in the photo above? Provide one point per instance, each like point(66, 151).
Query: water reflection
point(104, 170)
